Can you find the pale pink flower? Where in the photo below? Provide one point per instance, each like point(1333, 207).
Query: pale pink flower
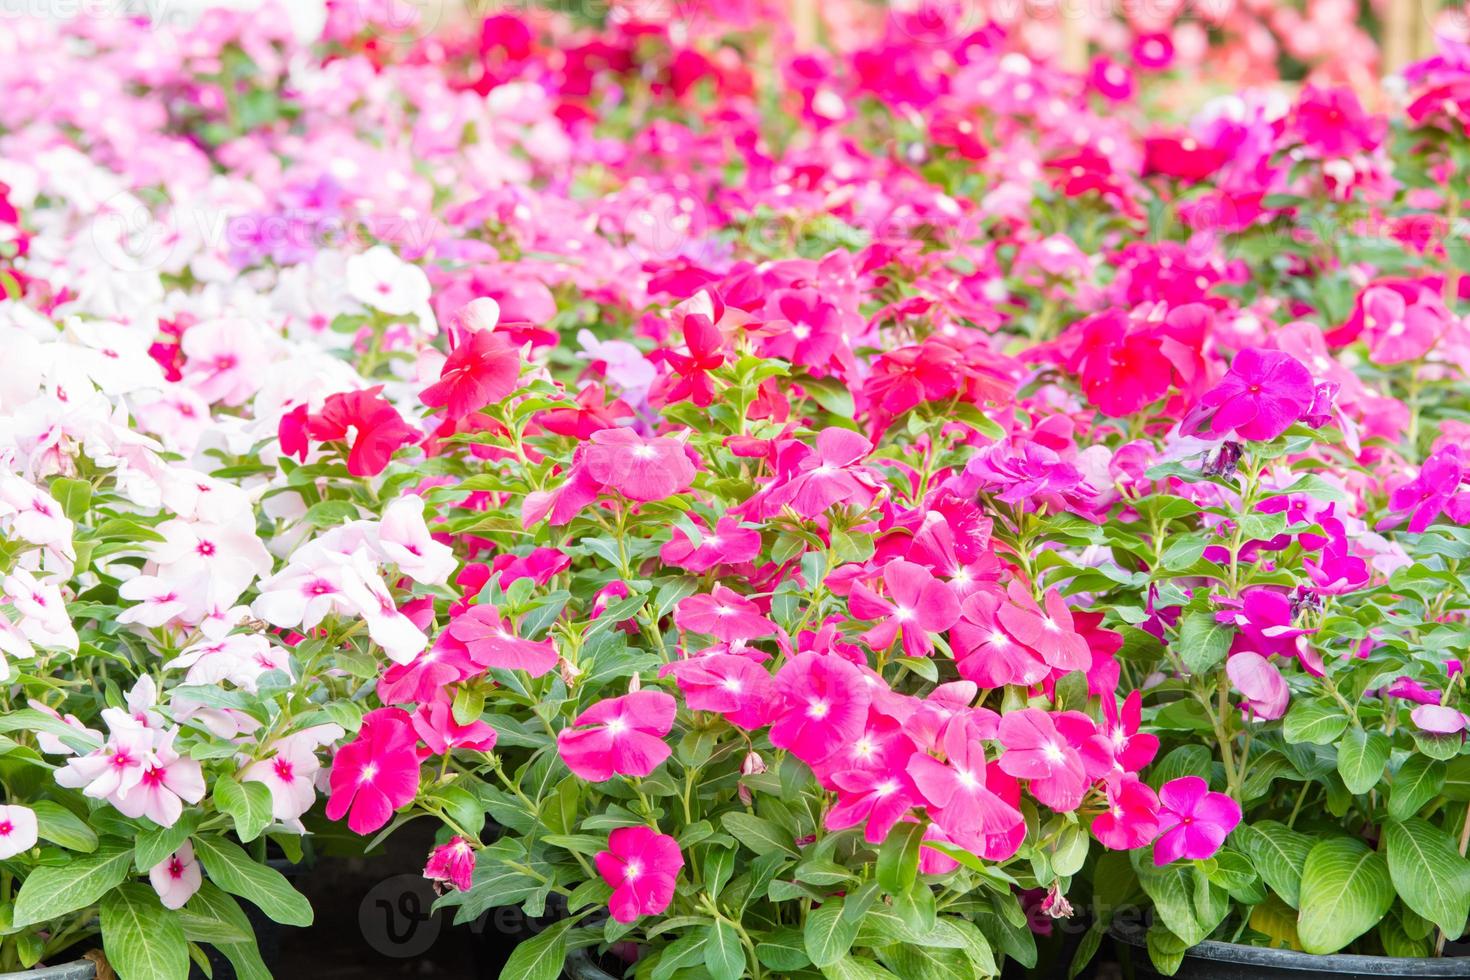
point(177, 877)
point(17, 830)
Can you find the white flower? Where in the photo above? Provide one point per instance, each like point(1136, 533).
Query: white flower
point(381, 280)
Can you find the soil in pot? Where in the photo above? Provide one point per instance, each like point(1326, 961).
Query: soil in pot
point(1228, 961)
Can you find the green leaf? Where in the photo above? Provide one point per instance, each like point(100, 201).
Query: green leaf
point(1165, 950)
point(761, 836)
point(1361, 758)
point(59, 825)
point(1318, 722)
point(1203, 642)
point(74, 496)
point(1279, 855)
point(1172, 890)
point(1418, 781)
point(1070, 851)
point(831, 394)
point(723, 956)
point(542, 956)
point(918, 962)
point(211, 902)
point(1429, 872)
point(783, 951)
point(249, 804)
point(1346, 889)
point(853, 968)
point(898, 858)
point(141, 939)
point(51, 892)
point(234, 871)
point(828, 936)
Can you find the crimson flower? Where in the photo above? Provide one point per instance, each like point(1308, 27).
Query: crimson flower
point(368, 422)
point(706, 346)
point(375, 773)
point(642, 867)
point(479, 371)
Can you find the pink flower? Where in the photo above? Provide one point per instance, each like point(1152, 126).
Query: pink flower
point(369, 424)
point(986, 653)
point(421, 679)
point(918, 604)
point(1051, 633)
point(166, 783)
point(453, 862)
point(1398, 331)
point(727, 544)
point(1132, 817)
point(723, 614)
point(1264, 393)
point(1036, 750)
point(638, 468)
point(732, 685)
point(177, 877)
point(481, 370)
point(17, 830)
point(290, 773)
point(1132, 749)
point(619, 736)
point(375, 773)
point(1439, 720)
point(961, 792)
point(876, 799)
point(436, 727)
point(824, 706)
point(642, 866)
point(1194, 822)
point(825, 476)
point(492, 642)
point(1255, 677)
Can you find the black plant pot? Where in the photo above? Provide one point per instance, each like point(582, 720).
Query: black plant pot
point(1228, 961)
point(581, 966)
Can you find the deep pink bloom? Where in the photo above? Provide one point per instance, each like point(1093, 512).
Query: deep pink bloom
point(1265, 392)
point(1258, 680)
point(1037, 751)
point(723, 614)
point(986, 653)
point(958, 791)
point(1397, 330)
point(824, 706)
point(873, 798)
point(291, 431)
point(734, 686)
point(493, 643)
point(1435, 490)
point(1193, 821)
point(1050, 632)
point(453, 862)
point(619, 736)
point(829, 474)
point(638, 468)
point(375, 773)
point(483, 369)
point(642, 867)
point(369, 421)
point(435, 726)
point(727, 544)
point(917, 604)
point(706, 352)
point(1132, 817)
point(421, 679)
point(1132, 749)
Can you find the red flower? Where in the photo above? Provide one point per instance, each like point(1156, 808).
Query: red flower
point(706, 346)
point(481, 370)
point(369, 422)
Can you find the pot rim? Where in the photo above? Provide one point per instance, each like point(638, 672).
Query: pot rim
point(78, 970)
point(1348, 964)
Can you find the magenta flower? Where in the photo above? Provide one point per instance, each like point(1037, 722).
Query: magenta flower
point(1132, 817)
point(1434, 490)
point(375, 773)
point(986, 653)
point(830, 474)
point(1398, 331)
point(1132, 749)
point(1036, 750)
point(492, 642)
point(453, 862)
point(619, 736)
point(917, 604)
point(723, 614)
point(1050, 632)
point(727, 544)
point(1194, 822)
point(435, 726)
point(642, 867)
point(957, 791)
point(734, 686)
point(824, 706)
point(1264, 393)
point(1258, 680)
point(639, 469)
point(873, 798)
